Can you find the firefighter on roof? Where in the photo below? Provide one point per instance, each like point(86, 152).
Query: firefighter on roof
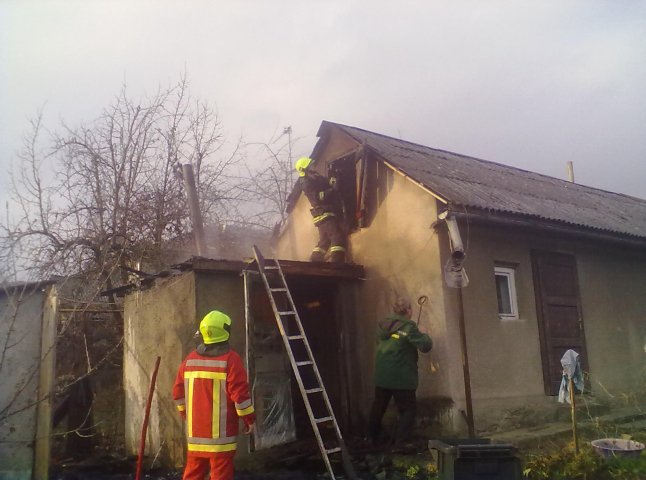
point(325, 202)
point(211, 393)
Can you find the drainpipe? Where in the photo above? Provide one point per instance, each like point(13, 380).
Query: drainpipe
point(456, 261)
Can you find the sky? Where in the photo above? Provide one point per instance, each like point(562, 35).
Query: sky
point(531, 84)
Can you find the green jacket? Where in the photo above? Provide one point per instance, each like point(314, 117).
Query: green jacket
point(398, 340)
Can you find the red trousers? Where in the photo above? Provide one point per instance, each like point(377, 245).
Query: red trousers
point(221, 467)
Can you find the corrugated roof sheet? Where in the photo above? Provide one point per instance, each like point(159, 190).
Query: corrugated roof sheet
point(472, 182)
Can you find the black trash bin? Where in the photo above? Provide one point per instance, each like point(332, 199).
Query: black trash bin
point(475, 459)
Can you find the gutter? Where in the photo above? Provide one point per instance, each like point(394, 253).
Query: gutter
point(548, 226)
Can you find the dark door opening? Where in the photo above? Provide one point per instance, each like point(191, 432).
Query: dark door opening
point(282, 415)
point(559, 313)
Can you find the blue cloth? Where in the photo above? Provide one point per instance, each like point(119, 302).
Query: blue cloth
point(571, 370)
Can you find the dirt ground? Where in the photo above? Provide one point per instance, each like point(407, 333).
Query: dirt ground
point(302, 462)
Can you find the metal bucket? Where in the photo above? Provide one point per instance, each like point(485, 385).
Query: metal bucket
point(617, 447)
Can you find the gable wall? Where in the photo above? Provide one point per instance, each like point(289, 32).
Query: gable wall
point(402, 255)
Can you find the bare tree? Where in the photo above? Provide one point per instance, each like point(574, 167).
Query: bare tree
point(269, 183)
point(92, 200)
point(109, 193)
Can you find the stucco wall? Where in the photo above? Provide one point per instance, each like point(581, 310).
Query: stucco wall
point(612, 283)
point(299, 234)
point(225, 292)
point(23, 347)
point(505, 355)
point(159, 321)
point(401, 252)
point(404, 255)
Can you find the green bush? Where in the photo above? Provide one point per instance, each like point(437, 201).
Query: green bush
point(584, 465)
point(406, 468)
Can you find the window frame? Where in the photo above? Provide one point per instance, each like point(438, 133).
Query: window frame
point(508, 272)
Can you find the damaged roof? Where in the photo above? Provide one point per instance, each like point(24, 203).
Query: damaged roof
point(468, 182)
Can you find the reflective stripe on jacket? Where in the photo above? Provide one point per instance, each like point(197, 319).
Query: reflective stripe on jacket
point(398, 340)
point(322, 196)
point(214, 392)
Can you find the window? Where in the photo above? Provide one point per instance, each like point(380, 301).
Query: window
point(506, 292)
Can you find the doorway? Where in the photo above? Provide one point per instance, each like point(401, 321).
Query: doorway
point(559, 313)
point(281, 412)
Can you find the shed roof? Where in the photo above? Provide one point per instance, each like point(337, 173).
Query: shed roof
point(468, 182)
point(291, 268)
point(24, 287)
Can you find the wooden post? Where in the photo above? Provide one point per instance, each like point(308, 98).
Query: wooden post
point(573, 414)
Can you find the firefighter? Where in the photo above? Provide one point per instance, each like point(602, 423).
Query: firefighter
point(325, 202)
point(211, 392)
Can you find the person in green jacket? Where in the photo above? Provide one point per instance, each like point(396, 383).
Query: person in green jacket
point(398, 340)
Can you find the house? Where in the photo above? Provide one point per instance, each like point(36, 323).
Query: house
point(28, 336)
point(551, 265)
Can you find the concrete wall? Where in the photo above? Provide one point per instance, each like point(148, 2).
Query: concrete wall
point(161, 321)
point(157, 322)
point(26, 346)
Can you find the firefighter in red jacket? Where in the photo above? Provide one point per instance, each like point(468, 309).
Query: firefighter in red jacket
point(211, 393)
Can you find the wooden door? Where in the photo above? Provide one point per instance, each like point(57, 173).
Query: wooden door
point(559, 313)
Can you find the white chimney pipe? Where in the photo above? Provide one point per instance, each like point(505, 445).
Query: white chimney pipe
point(570, 171)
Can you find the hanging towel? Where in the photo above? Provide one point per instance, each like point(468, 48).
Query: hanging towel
point(571, 369)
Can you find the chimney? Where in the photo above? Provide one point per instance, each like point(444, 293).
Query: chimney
point(570, 171)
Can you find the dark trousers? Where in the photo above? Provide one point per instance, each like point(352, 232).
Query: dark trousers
point(406, 408)
point(331, 237)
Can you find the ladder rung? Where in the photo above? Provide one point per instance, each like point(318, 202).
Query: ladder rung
point(333, 450)
point(287, 312)
point(323, 419)
point(270, 267)
point(306, 362)
point(278, 289)
point(313, 390)
point(295, 337)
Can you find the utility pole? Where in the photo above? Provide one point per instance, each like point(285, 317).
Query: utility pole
point(194, 205)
